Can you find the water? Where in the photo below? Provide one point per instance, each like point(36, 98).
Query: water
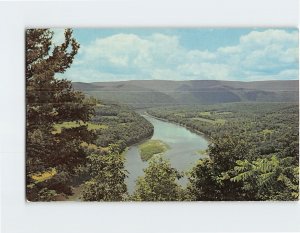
point(182, 153)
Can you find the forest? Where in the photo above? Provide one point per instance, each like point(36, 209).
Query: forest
point(75, 143)
point(254, 150)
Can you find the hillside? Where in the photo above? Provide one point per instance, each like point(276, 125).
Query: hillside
point(148, 93)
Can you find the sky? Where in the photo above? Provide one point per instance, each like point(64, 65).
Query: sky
point(245, 54)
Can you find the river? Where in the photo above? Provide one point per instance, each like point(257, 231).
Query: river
point(183, 153)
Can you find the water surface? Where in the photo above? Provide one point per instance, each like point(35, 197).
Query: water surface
point(182, 154)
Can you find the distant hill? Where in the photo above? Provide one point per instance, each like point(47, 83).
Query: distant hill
point(148, 93)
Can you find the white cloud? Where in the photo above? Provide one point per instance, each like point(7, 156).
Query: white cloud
point(264, 51)
point(205, 71)
point(129, 50)
point(282, 75)
point(165, 74)
point(229, 50)
point(268, 54)
point(269, 37)
point(93, 75)
point(117, 50)
point(58, 36)
point(198, 55)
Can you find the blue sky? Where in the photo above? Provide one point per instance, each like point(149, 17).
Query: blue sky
point(247, 54)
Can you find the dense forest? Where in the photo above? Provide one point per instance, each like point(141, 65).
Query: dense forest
point(75, 142)
point(254, 150)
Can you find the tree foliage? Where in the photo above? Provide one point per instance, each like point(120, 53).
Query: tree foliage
point(49, 101)
point(208, 180)
point(159, 182)
point(269, 178)
point(203, 184)
point(107, 182)
point(253, 154)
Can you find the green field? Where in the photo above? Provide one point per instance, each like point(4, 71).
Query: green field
point(73, 124)
point(202, 152)
point(205, 113)
point(152, 147)
point(216, 121)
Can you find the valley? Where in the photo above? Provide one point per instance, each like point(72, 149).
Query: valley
point(258, 118)
point(175, 130)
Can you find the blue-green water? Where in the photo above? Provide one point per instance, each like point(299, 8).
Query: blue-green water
point(182, 153)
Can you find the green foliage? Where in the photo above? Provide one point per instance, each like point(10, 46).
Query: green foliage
point(152, 147)
point(269, 178)
point(46, 194)
point(207, 178)
point(53, 105)
point(124, 126)
point(253, 155)
point(52, 101)
point(203, 184)
point(73, 124)
point(107, 182)
point(224, 151)
point(202, 152)
point(247, 120)
point(159, 182)
point(48, 189)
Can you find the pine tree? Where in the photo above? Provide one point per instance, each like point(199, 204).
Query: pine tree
point(50, 101)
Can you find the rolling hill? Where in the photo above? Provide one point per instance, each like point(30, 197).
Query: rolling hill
point(149, 93)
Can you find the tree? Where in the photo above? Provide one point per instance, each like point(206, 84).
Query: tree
point(50, 101)
point(159, 182)
point(108, 176)
point(269, 178)
point(209, 180)
point(224, 176)
point(203, 183)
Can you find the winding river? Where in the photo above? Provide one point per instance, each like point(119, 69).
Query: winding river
point(183, 153)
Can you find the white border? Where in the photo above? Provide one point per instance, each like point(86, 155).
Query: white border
point(18, 216)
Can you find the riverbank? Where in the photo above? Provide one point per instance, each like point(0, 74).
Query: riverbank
point(208, 138)
point(184, 146)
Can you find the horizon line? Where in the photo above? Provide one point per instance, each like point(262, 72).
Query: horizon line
point(269, 80)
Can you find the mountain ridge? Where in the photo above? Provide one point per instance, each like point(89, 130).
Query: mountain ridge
point(147, 93)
